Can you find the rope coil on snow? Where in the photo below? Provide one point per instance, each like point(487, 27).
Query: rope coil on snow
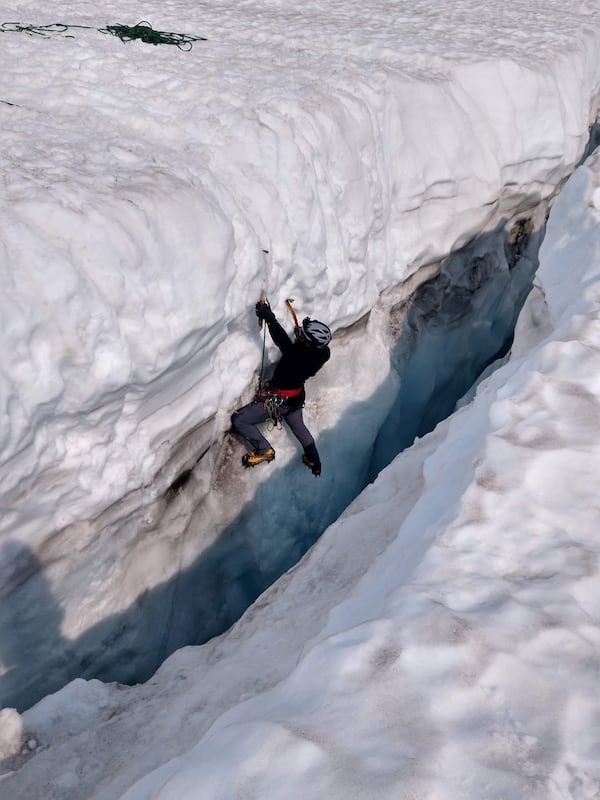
point(126, 33)
point(144, 31)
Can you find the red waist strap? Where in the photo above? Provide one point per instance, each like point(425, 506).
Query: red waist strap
point(286, 392)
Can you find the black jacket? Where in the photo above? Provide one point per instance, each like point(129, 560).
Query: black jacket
point(299, 361)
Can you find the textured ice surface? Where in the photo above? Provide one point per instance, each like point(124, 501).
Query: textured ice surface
point(441, 637)
point(355, 142)
point(139, 187)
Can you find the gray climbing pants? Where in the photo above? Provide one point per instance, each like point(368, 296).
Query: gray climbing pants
point(246, 420)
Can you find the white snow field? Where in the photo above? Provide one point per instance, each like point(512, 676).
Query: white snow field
point(441, 639)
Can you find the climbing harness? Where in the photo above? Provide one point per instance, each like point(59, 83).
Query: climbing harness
point(285, 393)
point(126, 33)
point(273, 401)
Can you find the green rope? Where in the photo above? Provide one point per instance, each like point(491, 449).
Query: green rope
point(35, 30)
point(144, 31)
point(126, 33)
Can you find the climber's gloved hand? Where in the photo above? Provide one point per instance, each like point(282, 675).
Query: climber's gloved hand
point(263, 311)
point(314, 466)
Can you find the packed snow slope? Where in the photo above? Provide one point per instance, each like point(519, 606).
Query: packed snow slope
point(358, 143)
point(441, 641)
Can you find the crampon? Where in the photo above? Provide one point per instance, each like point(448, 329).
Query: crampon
point(253, 458)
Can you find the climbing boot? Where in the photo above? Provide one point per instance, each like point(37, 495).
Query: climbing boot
point(254, 458)
point(314, 465)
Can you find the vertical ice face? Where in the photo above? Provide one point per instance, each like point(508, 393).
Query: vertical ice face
point(454, 326)
point(255, 525)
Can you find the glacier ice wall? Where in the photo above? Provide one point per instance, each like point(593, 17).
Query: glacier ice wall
point(132, 239)
point(469, 307)
point(454, 326)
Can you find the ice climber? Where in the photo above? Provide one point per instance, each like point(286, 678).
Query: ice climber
point(283, 396)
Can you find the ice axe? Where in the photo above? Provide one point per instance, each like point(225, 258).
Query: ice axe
point(290, 308)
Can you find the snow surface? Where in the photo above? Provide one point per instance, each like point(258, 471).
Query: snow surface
point(441, 640)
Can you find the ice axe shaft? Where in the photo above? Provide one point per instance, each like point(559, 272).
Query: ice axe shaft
point(290, 307)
